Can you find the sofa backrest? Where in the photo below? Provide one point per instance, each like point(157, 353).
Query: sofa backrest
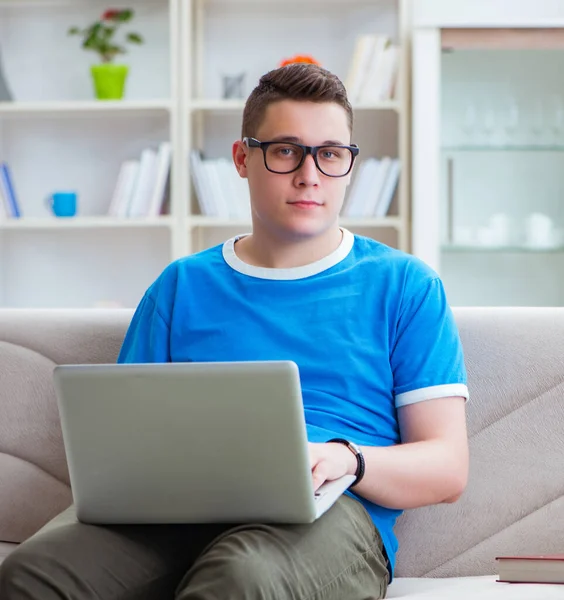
point(514, 502)
point(34, 481)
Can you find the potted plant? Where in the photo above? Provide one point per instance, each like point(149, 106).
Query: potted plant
point(109, 78)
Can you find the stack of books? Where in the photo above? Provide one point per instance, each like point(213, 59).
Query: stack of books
point(373, 188)
point(142, 185)
point(373, 71)
point(220, 191)
point(9, 205)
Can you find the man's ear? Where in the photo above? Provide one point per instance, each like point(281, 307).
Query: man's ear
point(240, 156)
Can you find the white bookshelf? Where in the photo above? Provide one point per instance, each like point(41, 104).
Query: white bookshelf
point(55, 136)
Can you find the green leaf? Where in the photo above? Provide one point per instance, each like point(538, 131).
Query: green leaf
point(125, 15)
point(107, 33)
point(134, 38)
point(74, 31)
point(94, 29)
point(90, 41)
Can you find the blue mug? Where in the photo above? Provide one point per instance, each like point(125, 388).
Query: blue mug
point(63, 204)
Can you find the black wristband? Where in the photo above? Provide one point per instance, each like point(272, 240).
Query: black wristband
point(360, 465)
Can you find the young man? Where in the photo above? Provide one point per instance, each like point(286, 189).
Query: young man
point(380, 363)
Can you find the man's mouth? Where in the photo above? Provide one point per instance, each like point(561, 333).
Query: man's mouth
point(305, 203)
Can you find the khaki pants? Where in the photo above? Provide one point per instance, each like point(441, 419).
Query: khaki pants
point(338, 557)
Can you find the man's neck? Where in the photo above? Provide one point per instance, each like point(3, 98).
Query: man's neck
point(264, 250)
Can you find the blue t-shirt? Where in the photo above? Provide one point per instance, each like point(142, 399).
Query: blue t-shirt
point(368, 326)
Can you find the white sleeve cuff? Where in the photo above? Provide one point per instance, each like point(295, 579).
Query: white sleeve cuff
point(434, 391)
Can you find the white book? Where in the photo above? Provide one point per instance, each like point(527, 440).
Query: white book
point(226, 169)
point(113, 209)
point(375, 188)
point(389, 189)
point(373, 74)
point(243, 196)
point(201, 187)
point(214, 173)
point(359, 188)
point(358, 68)
point(131, 172)
point(139, 204)
point(164, 155)
point(3, 205)
point(387, 87)
point(210, 192)
point(382, 80)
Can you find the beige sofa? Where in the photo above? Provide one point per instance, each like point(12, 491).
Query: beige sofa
point(514, 503)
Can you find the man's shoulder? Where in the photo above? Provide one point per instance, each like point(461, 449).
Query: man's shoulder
point(205, 259)
point(379, 256)
point(186, 267)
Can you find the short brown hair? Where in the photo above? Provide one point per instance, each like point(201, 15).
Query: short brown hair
point(297, 81)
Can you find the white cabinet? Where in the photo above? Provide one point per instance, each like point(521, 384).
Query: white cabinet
point(488, 149)
point(56, 137)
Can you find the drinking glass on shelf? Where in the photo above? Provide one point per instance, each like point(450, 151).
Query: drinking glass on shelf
point(488, 123)
point(511, 119)
point(537, 121)
point(556, 116)
point(469, 122)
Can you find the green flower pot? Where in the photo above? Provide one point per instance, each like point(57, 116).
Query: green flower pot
point(109, 80)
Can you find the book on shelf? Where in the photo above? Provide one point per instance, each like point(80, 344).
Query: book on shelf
point(373, 70)
point(141, 186)
point(220, 191)
point(373, 188)
point(542, 568)
point(9, 205)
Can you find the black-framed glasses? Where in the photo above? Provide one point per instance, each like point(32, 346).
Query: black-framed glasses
point(287, 157)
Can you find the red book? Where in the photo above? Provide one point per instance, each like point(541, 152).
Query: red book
point(541, 568)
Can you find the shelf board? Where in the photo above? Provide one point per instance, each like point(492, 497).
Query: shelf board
point(394, 105)
point(220, 105)
point(500, 249)
point(79, 108)
point(102, 222)
point(352, 222)
point(217, 105)
point(74, 4)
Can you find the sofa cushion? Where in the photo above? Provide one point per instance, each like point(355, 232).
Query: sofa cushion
point(5, 549)
point(34, 480)
point(470, 588)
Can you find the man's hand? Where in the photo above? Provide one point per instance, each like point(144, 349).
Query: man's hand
point(330, 461)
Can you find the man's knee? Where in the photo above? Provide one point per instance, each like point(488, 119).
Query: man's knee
point(246, 575)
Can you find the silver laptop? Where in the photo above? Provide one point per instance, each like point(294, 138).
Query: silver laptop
point(189, 443)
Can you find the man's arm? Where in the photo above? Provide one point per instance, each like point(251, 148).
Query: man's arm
point(429, 466)
point(431, 463)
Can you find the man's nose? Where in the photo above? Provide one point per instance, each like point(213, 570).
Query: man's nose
point(308, 174)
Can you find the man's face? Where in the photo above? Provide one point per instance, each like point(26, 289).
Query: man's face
point(305, 203)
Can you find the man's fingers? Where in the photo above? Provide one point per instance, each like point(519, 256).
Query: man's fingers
point(319, 475)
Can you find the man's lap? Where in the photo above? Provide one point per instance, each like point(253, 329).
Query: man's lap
point(339, 553)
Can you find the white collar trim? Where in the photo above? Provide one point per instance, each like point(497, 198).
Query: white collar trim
point(291, 273)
